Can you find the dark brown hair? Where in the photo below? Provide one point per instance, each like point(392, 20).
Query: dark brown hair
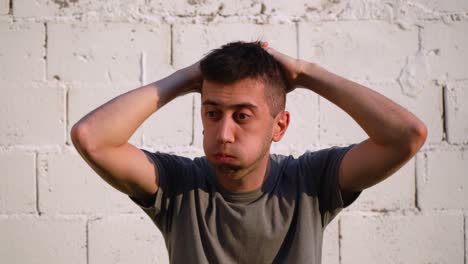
point(240, 60)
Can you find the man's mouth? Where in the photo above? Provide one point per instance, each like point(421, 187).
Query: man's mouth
point(223, 157)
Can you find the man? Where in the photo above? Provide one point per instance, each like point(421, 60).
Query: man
point(239, 204)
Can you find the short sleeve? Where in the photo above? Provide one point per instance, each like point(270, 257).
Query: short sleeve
point(171, 169)
point(321, 170)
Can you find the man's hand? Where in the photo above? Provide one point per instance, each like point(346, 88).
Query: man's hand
point(294, 67)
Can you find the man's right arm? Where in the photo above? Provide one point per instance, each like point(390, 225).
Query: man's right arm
point(101, 137)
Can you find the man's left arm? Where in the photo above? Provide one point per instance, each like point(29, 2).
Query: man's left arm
point(395, 134)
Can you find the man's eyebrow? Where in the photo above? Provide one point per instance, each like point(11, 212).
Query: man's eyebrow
point(239, 105)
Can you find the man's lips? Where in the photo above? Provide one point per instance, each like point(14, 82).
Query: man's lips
point(223, 157)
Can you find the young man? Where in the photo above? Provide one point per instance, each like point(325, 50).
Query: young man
point(239, 203)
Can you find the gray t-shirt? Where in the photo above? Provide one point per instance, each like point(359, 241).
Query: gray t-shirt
point(281, 222)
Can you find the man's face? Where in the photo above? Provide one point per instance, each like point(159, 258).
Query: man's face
point(238, 126)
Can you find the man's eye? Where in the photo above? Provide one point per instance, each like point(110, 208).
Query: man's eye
point(211, 114)
point(242, 116)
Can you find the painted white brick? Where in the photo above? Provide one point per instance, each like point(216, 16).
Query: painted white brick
point(336, 126)
point(448, 6)
point(355, 49)
point(213, 36)
point(242, 7)
point(4, 7)
point(447, 49)
point(105, 52)
point(457, 112)
point(42, 240)
point(304, 8)
point(84, 98)
point(395, 193)
point(443, 180)
point(171, 125)
point(402, 239)
point(331, 247)
point(126, 239)
point(32, 113)
point(187, 51)
point(22, 52)
point(18, 188)
point(68, 185)
point(121, 8)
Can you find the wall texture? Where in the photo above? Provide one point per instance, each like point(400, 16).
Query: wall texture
point(59, 59)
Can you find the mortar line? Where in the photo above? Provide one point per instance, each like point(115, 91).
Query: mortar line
point(171, 45)
point(87, 240)
point(297, 39)
point(416, 201)
point(339, 240)
point(193, 121)
point(444, 116)
point(46, 43)
point(67, 125)
point(36, 178)
point(464, 240)
point(142, 68)
point(419, 38)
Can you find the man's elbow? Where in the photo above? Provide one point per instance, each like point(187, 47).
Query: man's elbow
point(79, 138)
point(417, 135)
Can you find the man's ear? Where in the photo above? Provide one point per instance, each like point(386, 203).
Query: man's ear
point(280, 125)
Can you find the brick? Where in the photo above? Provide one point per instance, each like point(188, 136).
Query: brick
point(346, 48)
point(22, 52)
point(187, 51)
point(242, 7)
point(84, 98)
point(18, 188)
point(4, 7)
point(213, 36)
point(23, 123)
point(126, 239)
point(330, 246)
point(162, 130)
point(448, 6)
point(115, 8)
point(402, 239)
point(456, 114)
point(395, 193)
point(445, 45)
point(337, 127)
point(43, 240)
point(72, 57)
point(68, 185)
point(304, 8)
point(442, 180)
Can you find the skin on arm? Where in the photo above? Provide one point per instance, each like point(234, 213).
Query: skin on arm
point(101, 137)
point(395, 134)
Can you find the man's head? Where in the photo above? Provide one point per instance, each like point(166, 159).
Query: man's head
point(243, 97)
point(236, 61)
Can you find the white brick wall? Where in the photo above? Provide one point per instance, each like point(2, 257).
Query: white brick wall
point(432, 238)
point(4, 7)
point(22, 51)
point(32, 239)
point(60, 59)
point(18, 188)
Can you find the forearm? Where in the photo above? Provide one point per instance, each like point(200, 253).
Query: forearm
point(113, 123)
point(386, 122)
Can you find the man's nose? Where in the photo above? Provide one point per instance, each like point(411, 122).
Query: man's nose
point(225, 131)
